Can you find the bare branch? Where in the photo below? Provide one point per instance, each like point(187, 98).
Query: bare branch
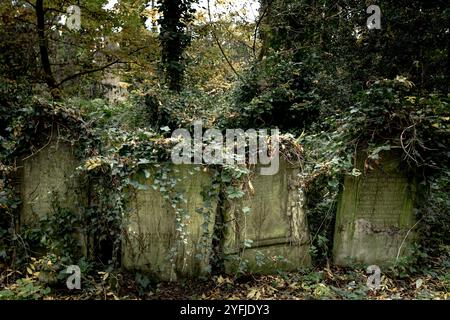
point(266, 9)
point(218, 43)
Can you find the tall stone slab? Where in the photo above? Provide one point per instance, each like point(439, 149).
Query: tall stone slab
point(274, 234)
point(375, 216)
point(48, 180)
point(151, 235)
point(47, 176)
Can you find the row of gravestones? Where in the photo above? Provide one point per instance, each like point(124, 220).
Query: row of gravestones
point(268, 228)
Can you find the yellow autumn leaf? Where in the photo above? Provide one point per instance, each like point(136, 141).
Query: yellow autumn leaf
point(254, 294)
point(250, 185)
point(93, 163)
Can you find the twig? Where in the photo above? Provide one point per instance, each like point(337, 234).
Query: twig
point(404, 239)
point(218, 43)
point(266, 9)
point(403, 146)
point(40, 149)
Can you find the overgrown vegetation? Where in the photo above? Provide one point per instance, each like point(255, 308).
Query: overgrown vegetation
point(310, 68)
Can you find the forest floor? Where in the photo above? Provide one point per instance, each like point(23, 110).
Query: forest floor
point(325, 283)
point(431, 282)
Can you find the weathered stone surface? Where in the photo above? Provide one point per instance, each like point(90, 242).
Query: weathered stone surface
point(276, 225)
point(151, 229)
point(375, 213)
point(48, 180)
point(46, 176)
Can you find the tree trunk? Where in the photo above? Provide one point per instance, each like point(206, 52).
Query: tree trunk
point(43, 49)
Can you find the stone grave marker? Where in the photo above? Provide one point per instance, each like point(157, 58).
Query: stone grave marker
point(274, 234)
point(375, 214)
point(151, 233)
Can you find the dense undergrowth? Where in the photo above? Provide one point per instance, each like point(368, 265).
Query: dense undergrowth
point(321, 283)
point(115, 147)
point(331, 93)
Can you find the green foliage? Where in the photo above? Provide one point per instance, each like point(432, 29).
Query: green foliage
point(435, 214)
point(25, 289)
point(57, 233)
point(274, 92)
point(165, 108)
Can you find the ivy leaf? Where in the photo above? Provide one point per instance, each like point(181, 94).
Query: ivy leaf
point(234, 193)
point(419, 283)
point(138, 185)
point(143, 161)
point(248, 243)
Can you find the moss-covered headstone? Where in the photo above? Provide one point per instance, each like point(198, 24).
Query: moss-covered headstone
point(153, 242)
point(268, 231)
point(48, 182)
point(48, 178)
point(375, 215)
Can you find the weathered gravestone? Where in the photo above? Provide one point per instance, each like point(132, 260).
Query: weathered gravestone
point(274, 234)
point(375, 214)
point(151, 232)
point(48, 182)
